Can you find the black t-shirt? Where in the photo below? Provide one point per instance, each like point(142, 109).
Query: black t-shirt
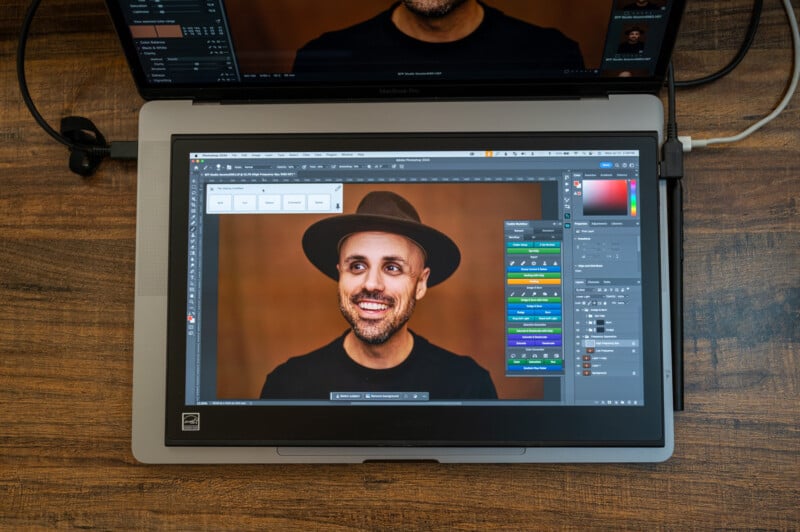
point(631, 48)
point(428, 368)
point(634, 6)
point(501, 46)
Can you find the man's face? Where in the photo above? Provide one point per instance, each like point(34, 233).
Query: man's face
point(634, 36)
point(432, 8)
point(381, 277)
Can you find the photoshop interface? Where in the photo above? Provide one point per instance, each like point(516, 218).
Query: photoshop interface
point(572, 278)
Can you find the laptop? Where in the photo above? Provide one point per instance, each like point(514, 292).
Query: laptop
point(422, 230)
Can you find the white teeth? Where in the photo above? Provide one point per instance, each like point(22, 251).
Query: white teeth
point(372, 306)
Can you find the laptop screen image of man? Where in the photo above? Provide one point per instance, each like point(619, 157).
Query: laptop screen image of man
point(424, 38)
point(384, 260)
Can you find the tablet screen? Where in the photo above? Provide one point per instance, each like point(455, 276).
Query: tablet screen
point(431, 289)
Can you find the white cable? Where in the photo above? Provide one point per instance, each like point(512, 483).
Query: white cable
point(689, 143)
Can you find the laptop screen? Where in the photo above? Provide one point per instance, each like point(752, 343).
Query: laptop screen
point(293, 49)
point(489, 287)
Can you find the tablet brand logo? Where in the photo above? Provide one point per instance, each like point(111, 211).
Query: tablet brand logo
point(191, 421)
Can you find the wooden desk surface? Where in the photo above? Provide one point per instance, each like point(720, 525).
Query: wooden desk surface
point(66, 317)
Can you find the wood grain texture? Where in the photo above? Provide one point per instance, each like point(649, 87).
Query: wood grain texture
point(66, 296)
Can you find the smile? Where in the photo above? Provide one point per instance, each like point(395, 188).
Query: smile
point(371, 305)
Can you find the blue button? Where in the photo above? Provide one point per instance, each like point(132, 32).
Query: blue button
point(605, 164)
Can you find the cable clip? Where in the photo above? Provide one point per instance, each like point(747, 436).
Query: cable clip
point(92, 147)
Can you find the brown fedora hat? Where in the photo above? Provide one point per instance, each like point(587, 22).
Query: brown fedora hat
point(385, 212)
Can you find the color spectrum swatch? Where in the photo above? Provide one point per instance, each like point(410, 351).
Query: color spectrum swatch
point(605, 198)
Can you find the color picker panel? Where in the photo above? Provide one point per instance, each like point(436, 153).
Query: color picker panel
point(605, 198)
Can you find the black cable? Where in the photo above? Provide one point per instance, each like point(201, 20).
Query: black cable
point(86, 144)
point(672, 171)
point(672, 150)
point(672, 121)
point(755, 18)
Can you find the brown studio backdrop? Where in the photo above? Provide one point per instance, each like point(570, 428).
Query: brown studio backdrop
point(286, 25)
point(273, 304)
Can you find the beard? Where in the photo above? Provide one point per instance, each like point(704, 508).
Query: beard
point(375, 332)
point(432, 8)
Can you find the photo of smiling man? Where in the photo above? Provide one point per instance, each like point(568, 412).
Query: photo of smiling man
point(384, 260)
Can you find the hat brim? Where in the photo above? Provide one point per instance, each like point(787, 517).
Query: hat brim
point(321, 242)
